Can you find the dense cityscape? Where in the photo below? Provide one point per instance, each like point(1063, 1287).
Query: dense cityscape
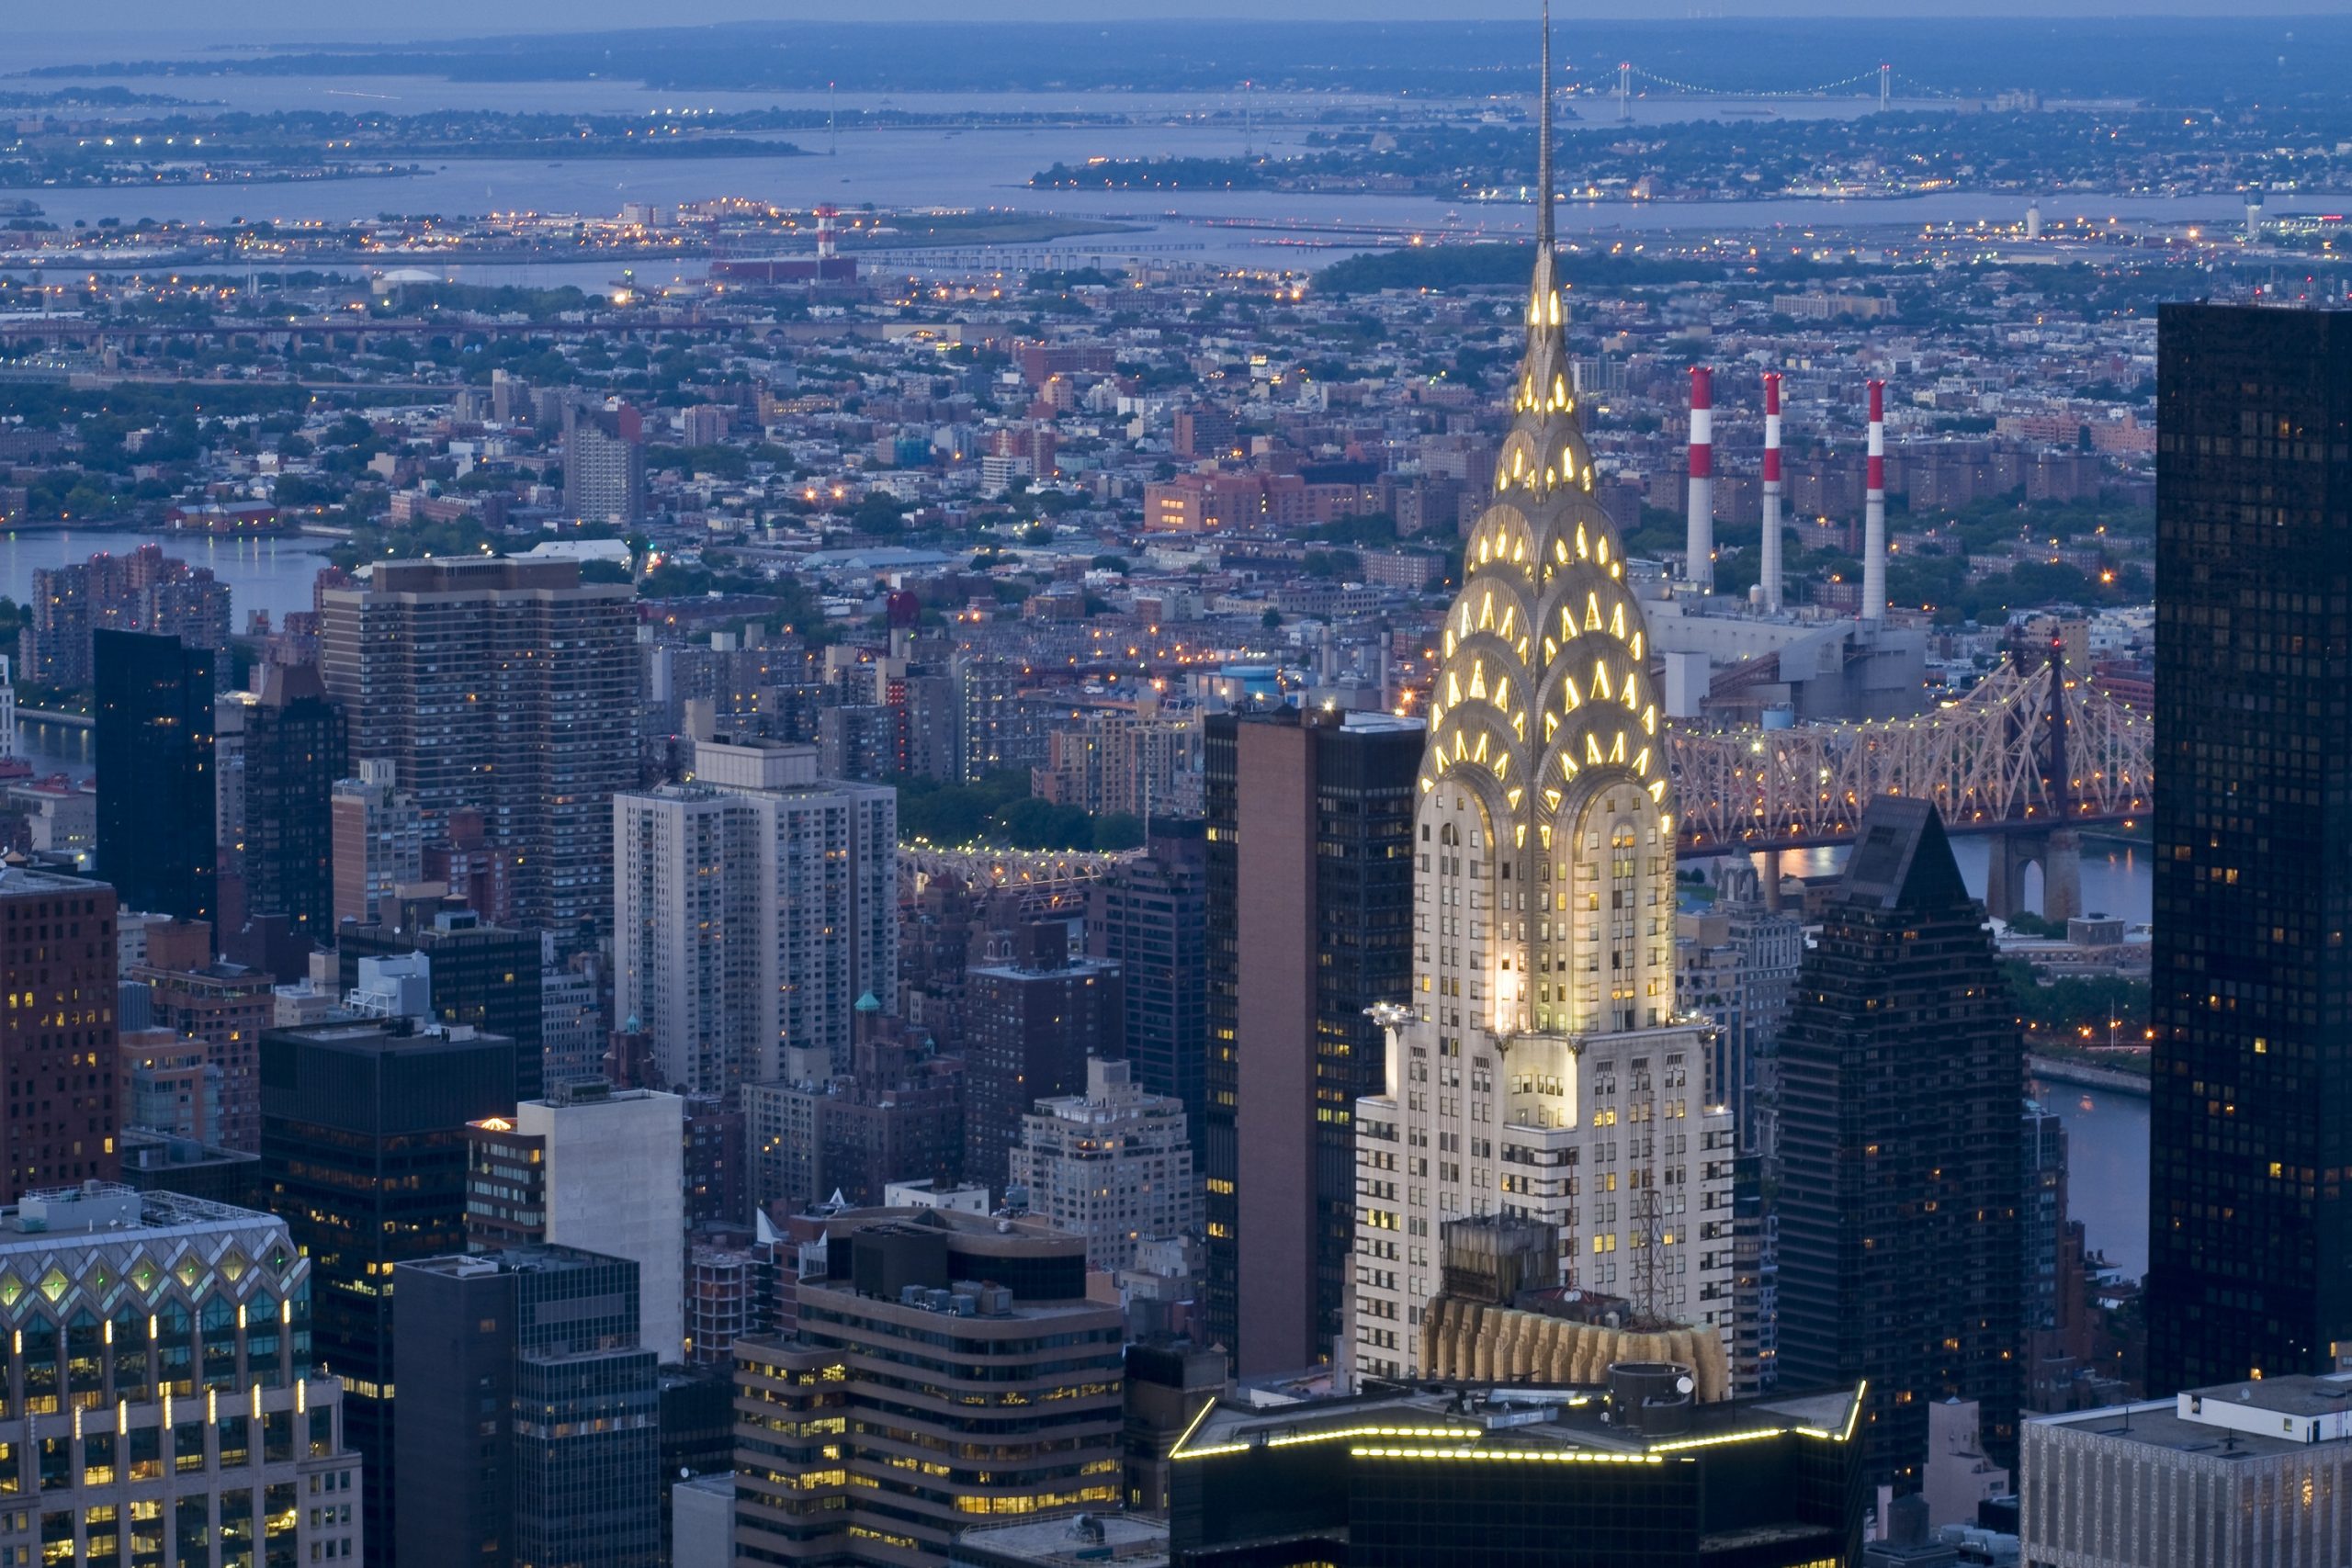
point(1145, 799)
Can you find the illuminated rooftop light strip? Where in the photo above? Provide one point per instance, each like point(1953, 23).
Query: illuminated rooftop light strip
point(1510, 1456)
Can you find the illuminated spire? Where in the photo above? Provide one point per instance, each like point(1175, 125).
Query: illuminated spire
point(1543, 144)
point(1545, 736)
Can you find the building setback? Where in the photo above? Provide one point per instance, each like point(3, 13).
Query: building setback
point(530, 1416)
point(1903, 1193)
point(508, 686)
point(157, 829)
point(484, 977)
point(2250, 1229)
point(1310, 890)
point(599, 1169)
point(1018, 1406)
point(2245, 1474)
point(1112, 1164)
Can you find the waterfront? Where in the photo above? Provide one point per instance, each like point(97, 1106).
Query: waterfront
point(2106, 1170)
point(273, 573)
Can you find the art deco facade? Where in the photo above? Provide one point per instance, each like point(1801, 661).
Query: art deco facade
point(1539, 1065)
point(164, 1408)
point(2250, 1229)
point(508, 686)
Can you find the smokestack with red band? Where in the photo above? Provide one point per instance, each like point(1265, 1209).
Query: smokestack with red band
point(826, 240)
point(1874, 512)
point(1771, 560)
point(1701, 539)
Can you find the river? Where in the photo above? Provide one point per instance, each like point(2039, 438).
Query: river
point(982, 166)
point(2106, 1170)
point(273, 573)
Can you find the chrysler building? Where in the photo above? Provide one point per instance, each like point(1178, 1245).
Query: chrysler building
point(1539, 1068)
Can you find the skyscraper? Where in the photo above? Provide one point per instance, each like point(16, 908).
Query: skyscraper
point(2250, 1230)
point(754, 905)
point(1033, 1016)
point(1310, 820)
point(163, 1347)
point(937, 1335)
point(363, 1145)
point(509, 686)
point(530, 1420)
point(57, 947)
point(1903, 1083)
point(1536, 1063)
point(481, 976)
point(379, 841)
point(1149, 915)
point(597, 1168)
point(294, 751)
point(1112, 1164)
point(156, 825)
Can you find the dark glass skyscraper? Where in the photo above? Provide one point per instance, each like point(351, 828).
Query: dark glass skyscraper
point(2250, 1232)
point(1310, 876)
point(158, 841)
point(294, 752)
point(1150, 916)
point(484, 978)
point(1903, 1082)
point(362, 1145)
point(530, 1420)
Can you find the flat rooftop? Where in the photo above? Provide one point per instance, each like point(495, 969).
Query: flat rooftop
point(2258, 1418)
point(1567, 1419)
point(1073, 1541)
point(105, 1211)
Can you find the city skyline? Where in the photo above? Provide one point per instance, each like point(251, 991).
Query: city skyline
point(1076, 810)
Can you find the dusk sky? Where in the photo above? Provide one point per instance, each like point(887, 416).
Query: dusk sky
point(129, 27)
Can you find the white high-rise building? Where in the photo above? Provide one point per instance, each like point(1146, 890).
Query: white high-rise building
point(1541, 1068)
point(1113, 1164)
point(615, 1178)
point(752, 906)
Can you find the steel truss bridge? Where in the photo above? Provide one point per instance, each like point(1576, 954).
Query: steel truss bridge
point(2030, 755)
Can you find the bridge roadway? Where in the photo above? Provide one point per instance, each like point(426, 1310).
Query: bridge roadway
point(2028, 757)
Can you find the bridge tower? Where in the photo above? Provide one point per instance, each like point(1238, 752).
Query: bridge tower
point(2052, 842)
point(1626, 92)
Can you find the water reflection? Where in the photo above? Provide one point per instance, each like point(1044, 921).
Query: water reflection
point(2106, 1170)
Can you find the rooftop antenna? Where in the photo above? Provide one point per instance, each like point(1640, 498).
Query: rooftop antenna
point(1544, 143)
